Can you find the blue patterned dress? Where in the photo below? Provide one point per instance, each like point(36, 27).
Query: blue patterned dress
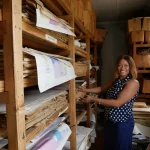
point(119, 120)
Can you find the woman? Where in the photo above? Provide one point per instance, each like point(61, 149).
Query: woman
point(121, 94)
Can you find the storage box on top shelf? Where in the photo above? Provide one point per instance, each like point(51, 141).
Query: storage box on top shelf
point(80, 10)
point(100, 35)
point(87, 19)
point(146, 86)
point(134, 24)
point(146, 24)
point(93, 22)
point(137, 36)
point(147, 36)
point(87, 5)
point(74, 7)
point(142, 61)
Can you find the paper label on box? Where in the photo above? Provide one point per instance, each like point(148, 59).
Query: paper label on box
point(50, 38)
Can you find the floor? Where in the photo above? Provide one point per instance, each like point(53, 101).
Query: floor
point(98, 145)
point(99, 140)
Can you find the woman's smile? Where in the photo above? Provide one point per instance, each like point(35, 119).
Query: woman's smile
point(123, 68)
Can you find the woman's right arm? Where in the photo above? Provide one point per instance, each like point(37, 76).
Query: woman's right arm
point(97, 90)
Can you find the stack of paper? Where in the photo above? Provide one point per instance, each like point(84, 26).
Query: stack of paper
point(82, 136)
point(54, 139)
point(39, 106)
point(142, 114)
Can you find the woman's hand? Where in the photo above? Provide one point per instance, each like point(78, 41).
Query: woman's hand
point(86, 99)
point(81, 89)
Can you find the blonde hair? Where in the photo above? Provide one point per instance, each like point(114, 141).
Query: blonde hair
point(132, 67)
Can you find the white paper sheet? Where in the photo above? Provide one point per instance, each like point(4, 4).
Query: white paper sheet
point(51, 127)
point(52, 71)
point(47, 20)
point(81, 137)
point(144, 130)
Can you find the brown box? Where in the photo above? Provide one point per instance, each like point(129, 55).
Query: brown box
point(80, 10)
point(87, 19)
point(74, 7)
point(134, 24)
point(84, 1)
point(100, 35)
point(93, 22)
point(146, 86)
point(81, 69)
point(142, 61)
point(146, 23)
point(68, 4)
point(137, 36)
point(88, 6)
point(147, 36)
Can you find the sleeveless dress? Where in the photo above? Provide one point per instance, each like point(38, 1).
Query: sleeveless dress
point(119, 120)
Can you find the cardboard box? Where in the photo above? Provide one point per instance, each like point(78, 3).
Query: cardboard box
point(134, 24)
point(93, 22)
point(137, 36)
point(100, 35)
point(142, 61)
point(146, 86)
point(88, 6)
point(147, 36)
point(146, 24)
point(74, 7)
point(87, 19)
point(80, 10)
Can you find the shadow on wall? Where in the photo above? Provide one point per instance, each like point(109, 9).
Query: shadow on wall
point(115, 44)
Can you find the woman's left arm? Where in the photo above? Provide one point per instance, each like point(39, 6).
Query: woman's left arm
point(125, 95)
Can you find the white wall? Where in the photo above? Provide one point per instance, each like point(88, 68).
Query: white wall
point(115, 45)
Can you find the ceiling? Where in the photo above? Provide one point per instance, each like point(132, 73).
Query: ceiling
point(115, 10)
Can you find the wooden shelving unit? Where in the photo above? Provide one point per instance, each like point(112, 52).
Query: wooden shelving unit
point(81, 52)
point(14, 34)
point(95, 76)
point(80, 117)
point(141, 60)
point(143, 66)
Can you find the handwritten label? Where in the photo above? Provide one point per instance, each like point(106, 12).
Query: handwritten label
point(50, 38)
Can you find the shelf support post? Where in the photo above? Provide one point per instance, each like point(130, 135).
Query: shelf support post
point(13, 73)
point(72, 100)
point(88, 79)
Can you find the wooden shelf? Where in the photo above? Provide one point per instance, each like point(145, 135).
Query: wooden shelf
point(33, 131)
point(35, 38)
point(143, 96)
point(142, 100)
point(64, 5)
point(83, 29)
point(31, 32)
point(58, 7)
point(143, 71)
point(80, 117)
point(80, 52)
point(14, 34)
point(53, 6)
point(141, 45)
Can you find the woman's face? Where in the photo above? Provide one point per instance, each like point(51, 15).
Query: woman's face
point(123, 68)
